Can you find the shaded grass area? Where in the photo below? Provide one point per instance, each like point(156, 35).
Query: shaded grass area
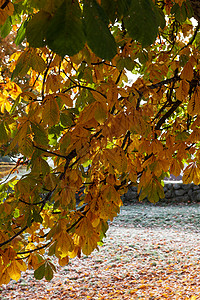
point(183, 217)
point(151, 252)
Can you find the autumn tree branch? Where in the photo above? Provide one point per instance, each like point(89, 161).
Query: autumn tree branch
point(14, 236)
point(49, 152)
point(33, 250)
point(167, 114)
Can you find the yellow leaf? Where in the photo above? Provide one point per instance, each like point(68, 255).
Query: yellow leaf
point(110, 194)
point(157, 146)
point(100, 113)
point(76, 251)
point(66, 99)
point(85, 228)
point(50, 181)
point(56, 61)
point(73, 175)
point(192, 174)
point(37, 62)
point(187, 72)
point(194, 103)
point(88, 113)
point(8, 255)
point(139, 125)
point(64, 243)
point(175, 168)
point(7, 208)
point(123, 93)
point(13, 89)
point(116, 157)
point(50, 112)
point(4, 103)
point(23, 64)
point(98, 96)
point(90, 243)
point(133, 176)
point(53, 83)
point(63, 261)
point(151, 188)
point(21, 265)
point(14, 271)
point(33, 261)
point(4, 276)
point(182, 91)
point(28, 96)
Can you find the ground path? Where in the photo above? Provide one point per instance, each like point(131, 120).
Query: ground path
point(156, 258)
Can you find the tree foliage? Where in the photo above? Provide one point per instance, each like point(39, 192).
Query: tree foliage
point(69, 115)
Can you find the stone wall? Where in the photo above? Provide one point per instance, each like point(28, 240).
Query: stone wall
point(175, 192)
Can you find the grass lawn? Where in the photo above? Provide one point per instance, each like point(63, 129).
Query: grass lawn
point(151, 252)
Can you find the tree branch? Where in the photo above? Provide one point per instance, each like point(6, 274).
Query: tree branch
point(68, 158)
point(118, 78)
point(77, 84)
point(33, 250)
point(45, 75)
point(14, 236)
point(27, 203)
point(168, 114)
point(5, 4)
point(166, 81)
point(127, 135)
point(50, 152)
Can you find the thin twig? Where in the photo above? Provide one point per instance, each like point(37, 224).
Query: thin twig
point(50, 152)
point(33, 250)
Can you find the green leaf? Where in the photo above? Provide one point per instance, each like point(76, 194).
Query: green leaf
point(182, 136)
point(39, 3)
point(65, 34)
point(189, 9)
point(40, 135)
point(123, 7)
point(64, 143)
point(160, 17)
point(6, 28)
point(141, 22)
point(180, 12)
point(52, 249)
point(40, 167)
point(22, 66)
point(3, 133)
point(125, 62)
point(116, 9)
point(39, 272)
point(99, 37)
point(100, 113)
point(36, 29)
point(16, 102)
point(48, 272)
point(37, 63)
point(37, 217)
point(21, 33)
point(66, 119)
point(110, 6)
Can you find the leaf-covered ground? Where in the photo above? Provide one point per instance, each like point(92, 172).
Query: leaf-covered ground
point(151, 252)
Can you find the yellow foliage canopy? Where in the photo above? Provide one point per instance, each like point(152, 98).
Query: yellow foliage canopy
point(84, 131)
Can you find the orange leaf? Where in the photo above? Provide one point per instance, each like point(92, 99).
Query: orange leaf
point(182, 91)
point(187, 72)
